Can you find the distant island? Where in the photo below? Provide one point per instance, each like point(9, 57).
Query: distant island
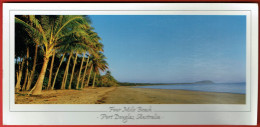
point(204, 82)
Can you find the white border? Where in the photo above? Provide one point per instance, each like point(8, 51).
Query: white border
point(180, 114)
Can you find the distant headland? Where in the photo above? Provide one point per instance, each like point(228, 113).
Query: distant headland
point(150, 84)
point(204, 82)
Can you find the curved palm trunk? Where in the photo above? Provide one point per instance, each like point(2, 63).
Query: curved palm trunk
point(72, 73)
point(65, 77)
point(65, 73)
point(84, 74)
point(89, 76)
point(19, 77)
point(54, 80)
point(26, 73)
point(93, 85)
point(38, 86)
point(31, 77)
point(50, 75)
point(83, 55)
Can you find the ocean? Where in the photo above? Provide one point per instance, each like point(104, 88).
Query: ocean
point(239, 88)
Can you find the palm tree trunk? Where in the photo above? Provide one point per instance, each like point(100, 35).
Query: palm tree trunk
point(72, 73)
point(84, 74)
point(26, 73)
point(89, 76)
point(54, 80)
point(26, 78)
point(31, 77)
point(38, 86)
point(93, 85)
point(19, 75)
point(83, 56)
point(65, 73)
point(65, 79)
point(50, 75)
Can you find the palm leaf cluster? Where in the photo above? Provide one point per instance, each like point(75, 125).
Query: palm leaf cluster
point(70, 53)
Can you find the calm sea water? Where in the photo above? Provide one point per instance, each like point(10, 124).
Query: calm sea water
point(217, 87)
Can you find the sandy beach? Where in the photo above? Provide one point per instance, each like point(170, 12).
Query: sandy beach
point(85, 96)
point(129, 95)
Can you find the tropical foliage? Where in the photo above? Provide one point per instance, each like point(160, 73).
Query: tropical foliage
point(58, 52)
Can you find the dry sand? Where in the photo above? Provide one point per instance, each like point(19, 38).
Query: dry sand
point(84, 96)
point(128, 95)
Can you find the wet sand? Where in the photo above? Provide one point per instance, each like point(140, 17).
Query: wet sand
point(129, 95)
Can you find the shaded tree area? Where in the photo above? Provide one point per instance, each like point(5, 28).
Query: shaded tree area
point(58, 52)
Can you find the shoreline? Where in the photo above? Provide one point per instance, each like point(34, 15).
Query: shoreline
point(129, 95)
point(191, 90)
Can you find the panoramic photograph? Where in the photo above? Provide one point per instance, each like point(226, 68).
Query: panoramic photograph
point(130, 59)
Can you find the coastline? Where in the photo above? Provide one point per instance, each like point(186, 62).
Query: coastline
point(189, 90)
point(236, 88)
point(130, 95)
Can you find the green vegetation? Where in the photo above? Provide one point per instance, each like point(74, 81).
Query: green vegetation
point(58, 52)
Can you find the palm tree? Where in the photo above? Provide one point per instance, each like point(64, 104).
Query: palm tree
point(95, 47)
point(26, 73)
point(22, 43)
point(80, 48)
point(84, 74)
point(56, 74)
point(83, 57)
point(51, 30)
point(90, 39)
point(50, 74)
point(98, 63)
point(90, 70)
point(70, 47)
point(64, 80)
point(19, 76)
point(36, 42)
point(108, 80)
point(83, 44)
point(31, 76)
point(73, 68)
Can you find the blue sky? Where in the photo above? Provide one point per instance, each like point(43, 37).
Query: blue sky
point(173, 48)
